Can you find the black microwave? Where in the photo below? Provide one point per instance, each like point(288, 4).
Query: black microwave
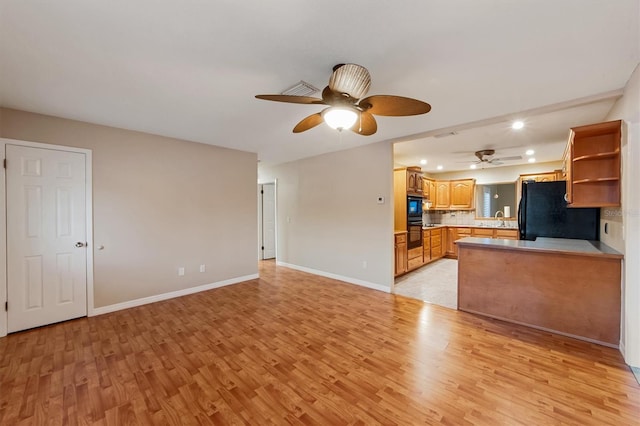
point(414, 208)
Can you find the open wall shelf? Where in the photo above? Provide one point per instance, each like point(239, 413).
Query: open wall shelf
point(593, 180)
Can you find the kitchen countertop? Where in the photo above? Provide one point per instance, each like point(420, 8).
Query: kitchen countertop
point(439, 225)
point(546, 245)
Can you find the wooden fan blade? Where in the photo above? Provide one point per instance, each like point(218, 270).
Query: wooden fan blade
point(291, 99)
point(394, 105)
point(366, 125)
point(308, 123)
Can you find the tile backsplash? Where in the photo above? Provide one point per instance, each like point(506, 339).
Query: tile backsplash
point(462, 217)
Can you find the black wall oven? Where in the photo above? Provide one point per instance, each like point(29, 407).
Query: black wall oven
point(414, 209)
point(414, 234)
point(414, 222)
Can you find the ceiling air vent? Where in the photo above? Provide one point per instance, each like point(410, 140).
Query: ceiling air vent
point(444, 135)
point(301, 89)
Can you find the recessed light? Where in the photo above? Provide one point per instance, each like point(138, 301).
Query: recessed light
point(532, 160)
point(517, 125)
point(440, 167)
point(473, 166)
point(530, 152)
point(423, 161)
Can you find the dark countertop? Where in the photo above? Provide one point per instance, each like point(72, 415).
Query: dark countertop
point(546, 245)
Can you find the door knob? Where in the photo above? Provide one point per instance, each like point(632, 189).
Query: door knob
point(80, 244)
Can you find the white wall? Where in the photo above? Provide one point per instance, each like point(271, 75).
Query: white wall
point(626, 221)
point(328, 218)
point(158, 203)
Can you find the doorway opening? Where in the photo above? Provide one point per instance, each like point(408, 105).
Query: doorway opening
point(267, 222)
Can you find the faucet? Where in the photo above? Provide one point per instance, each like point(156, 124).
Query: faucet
point(500, 223)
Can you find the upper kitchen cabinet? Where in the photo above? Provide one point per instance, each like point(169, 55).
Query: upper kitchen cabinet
point(462, 193)
point(539, 177)
point(593, 172)
point(429, 189)
point(442, 196)
point(450, 194)
point(414, 181)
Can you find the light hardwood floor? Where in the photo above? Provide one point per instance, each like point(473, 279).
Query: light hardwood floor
point(294, 348)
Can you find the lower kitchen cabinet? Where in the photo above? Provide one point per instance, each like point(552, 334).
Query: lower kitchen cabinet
point(401, 253)
point(426, 245)
point(507, 234)
point(414, 258)
point(482, 232)
point(455, 233)
point(436, 244)
point(433, 248)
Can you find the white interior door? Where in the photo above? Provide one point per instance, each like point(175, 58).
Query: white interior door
point(268, 221)
point(46, 236)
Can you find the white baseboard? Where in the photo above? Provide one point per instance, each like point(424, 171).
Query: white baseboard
point(172, 294)
point(349, 280)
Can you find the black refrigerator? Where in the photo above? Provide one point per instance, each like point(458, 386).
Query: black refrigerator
point(543, 212)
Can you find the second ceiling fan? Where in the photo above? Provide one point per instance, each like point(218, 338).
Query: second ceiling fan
point(347, 107)
point(486, 156)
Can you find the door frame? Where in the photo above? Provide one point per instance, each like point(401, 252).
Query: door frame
point(4, 317)
point(261, 219)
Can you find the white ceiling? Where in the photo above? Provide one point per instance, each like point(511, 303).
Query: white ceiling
point(545, 132)
point(190, 69)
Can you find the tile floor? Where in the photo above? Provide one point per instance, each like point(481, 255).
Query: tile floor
point(435, 283)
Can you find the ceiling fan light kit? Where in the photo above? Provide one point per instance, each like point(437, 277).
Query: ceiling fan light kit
point(347, 85)
point(340, 118)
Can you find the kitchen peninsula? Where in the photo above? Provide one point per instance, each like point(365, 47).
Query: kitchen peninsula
point(570, 287)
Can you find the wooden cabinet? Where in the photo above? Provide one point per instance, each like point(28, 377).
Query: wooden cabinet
point(400, 253)
point(426, 245)
point(414, 181)
point(436, 244)
point(566, 165)
point(536, 177)
point(442, 199)
point(594, 173)
point(429, 189)
point(482, 232)
point(453, 195)
point(539, 177)
point(462, 193)
point(454, 234)
point(506, 234)
point(414, 258)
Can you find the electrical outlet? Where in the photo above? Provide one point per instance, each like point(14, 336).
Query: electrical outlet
point(364, 264)
point(181, 271)
point(203, 268)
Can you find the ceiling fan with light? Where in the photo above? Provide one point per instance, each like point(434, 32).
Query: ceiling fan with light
point(485, 156)
point(347, 109)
